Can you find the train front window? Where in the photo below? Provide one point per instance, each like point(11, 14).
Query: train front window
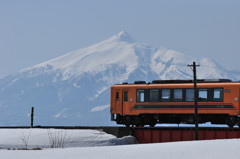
point(217, 94)
point(202, 94)
point(165, 95)
point(189, 95)
point(153, 95)
point(117, 96)
point(140, 95)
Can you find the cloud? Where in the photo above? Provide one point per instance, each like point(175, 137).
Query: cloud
point(99, 108)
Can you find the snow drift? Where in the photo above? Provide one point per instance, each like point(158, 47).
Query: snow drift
point(42, 138)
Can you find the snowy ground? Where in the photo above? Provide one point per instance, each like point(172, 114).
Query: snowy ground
point(92, 144)
point(43, 138)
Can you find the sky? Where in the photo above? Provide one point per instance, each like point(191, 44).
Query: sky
point(34, 31)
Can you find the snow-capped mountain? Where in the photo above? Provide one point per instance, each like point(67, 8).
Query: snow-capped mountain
point(74, 89)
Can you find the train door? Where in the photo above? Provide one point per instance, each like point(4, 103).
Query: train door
point(118, 101)
point(125, 99)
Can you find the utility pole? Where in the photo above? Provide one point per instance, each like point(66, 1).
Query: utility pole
point(195, 97)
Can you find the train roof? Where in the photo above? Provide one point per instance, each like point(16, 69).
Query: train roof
point(177, 81)
point(191, 81)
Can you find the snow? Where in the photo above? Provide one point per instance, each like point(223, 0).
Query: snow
point(40, 138)
point(85, 147)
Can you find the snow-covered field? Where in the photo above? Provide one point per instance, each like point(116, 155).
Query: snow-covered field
point(44, 138)
point(93, 144)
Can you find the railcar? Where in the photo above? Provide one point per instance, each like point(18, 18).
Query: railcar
point(172, 101)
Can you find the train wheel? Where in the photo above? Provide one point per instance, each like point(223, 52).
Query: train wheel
point(230, 122)
point(127, 121)
point(230, 125)
point(138, 120)
point(127, 125)
point(152, 124)
point(142, 125)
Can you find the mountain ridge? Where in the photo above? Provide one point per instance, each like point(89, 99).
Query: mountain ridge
point(74, 89)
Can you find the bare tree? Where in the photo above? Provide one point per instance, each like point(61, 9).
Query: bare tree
point(25, 138)
point(58, 139)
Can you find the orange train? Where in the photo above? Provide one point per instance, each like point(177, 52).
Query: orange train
point(172, 101)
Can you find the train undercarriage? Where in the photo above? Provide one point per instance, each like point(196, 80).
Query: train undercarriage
point(153, 119)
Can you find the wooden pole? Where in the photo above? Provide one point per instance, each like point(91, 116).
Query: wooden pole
point(32, 116)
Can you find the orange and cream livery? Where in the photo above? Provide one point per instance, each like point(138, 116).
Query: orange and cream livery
point(172, 101)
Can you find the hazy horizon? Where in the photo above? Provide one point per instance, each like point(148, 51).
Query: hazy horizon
point(36, 31)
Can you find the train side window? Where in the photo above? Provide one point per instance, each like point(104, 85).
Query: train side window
point(217, 94)
point(117, 96)
point(177, 95)
point(125, 96)
point(190, 95)
point(166, 95)
point(146, 95)
point(140, 95)
point(202, 94)
point(153, 95)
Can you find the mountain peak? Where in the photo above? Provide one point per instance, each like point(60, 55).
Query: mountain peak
point(123, 36)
